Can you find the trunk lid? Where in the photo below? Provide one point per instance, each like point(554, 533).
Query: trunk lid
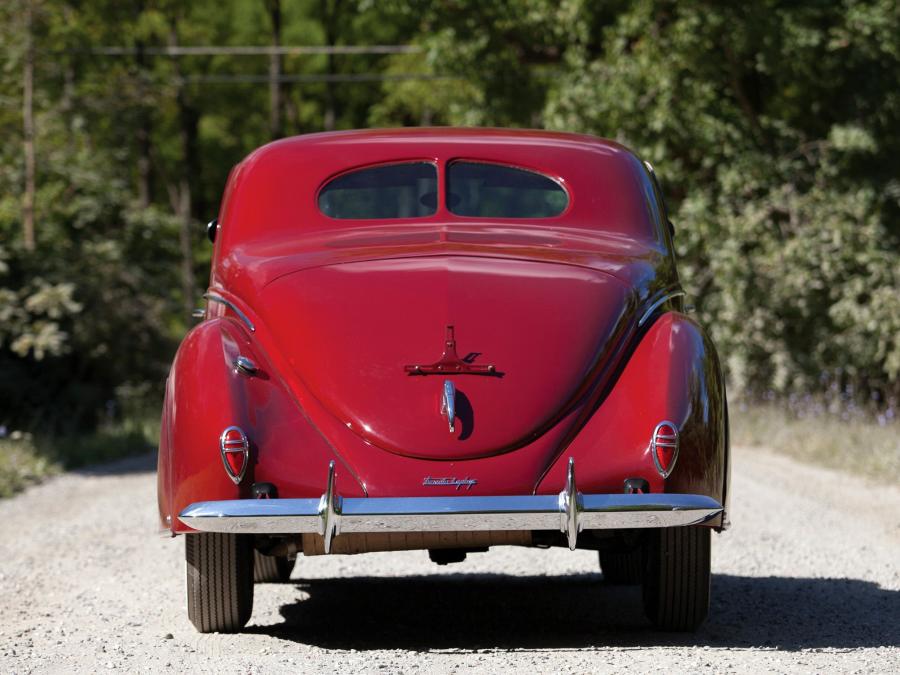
point(352, 331)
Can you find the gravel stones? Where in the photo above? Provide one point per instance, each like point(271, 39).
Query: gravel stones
point(807, 580)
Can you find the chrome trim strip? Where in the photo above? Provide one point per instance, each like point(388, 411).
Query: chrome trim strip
point(569, 512)
point(668, 296)
point(212, 297)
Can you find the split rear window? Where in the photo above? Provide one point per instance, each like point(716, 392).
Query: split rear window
point(392, 191)
point(474, 189)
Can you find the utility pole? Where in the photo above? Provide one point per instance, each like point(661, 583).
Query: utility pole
point(330, 11)
point(144, 130)
point(28, 129)
point(275, 128)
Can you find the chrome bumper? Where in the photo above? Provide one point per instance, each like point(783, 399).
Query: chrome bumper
point(569, 512)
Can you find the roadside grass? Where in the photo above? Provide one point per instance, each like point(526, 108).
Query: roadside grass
point(26, 459)
point(857, 444)
point(110, 442)
point(22, 465)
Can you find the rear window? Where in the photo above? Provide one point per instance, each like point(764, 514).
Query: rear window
point(393, 191)
point(491, 190)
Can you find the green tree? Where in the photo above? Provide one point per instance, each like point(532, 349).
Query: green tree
point(775, 127)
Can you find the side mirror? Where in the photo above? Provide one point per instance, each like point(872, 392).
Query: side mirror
point(671, 227)
point(211, 228)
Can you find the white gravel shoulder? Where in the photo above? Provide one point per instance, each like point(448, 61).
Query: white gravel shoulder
point(807, 580)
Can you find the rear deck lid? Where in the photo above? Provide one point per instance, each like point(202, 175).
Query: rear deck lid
point(354, 332)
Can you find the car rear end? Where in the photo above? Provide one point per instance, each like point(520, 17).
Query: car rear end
point(447, 341)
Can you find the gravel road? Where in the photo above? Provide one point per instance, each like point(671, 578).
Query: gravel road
point(808, 579)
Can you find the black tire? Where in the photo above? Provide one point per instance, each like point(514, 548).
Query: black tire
point(625, 568)
point(271, 569)
point(676, 577)
point(219, 581)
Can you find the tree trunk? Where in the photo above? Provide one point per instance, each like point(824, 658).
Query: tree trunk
point(145, 124)
point(275, 125)
point(28, 129)
point(330, 11)
point(189, 170)
point(185, 244)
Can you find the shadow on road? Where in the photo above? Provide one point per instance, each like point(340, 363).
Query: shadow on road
point(495, 611)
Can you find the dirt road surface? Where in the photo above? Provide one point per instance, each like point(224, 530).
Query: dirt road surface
point(807, 580)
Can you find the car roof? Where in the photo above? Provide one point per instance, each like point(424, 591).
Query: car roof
point(272, 193)
point(439, 136)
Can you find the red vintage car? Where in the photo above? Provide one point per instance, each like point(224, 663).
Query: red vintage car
point(444, 340)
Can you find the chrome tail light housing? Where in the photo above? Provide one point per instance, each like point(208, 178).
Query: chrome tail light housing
point(664, 447)
point(235, 449)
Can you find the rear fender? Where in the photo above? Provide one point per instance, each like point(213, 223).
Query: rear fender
point(205, 394)
point(673, 375)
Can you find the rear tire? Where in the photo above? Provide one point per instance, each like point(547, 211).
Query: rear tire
point(676, 577)
point(625, 568)
point(271, 569)
point(219, 580)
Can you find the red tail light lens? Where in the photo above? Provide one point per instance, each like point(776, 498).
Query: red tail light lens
point(235, 449)
point(664, 447)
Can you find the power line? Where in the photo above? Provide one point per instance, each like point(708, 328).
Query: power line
point(306, 50)
point(313, 78)
point(260, 50)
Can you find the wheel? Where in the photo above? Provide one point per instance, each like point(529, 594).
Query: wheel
point(622, 567)
point(219, 580)
point(676, 577)
point(271, 569)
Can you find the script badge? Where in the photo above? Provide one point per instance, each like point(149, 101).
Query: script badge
point(453, 482)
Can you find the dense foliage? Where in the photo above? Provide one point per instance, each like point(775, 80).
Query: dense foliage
point(774, 125)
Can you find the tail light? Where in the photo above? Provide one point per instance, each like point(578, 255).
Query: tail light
point(235, 450)
point(664, 447)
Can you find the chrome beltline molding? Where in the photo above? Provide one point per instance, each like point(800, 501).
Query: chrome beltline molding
point(569, 512)
point(652, 308)
point(212, 297)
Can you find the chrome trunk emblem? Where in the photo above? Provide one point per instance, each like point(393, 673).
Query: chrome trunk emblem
point(450, 363)
point(448, 404)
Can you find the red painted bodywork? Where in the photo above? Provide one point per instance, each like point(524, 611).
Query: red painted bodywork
point(341, 307)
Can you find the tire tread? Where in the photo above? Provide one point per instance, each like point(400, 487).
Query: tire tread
point(271, 569)
point(677, 577)
point(622, 567)
point(219, 581)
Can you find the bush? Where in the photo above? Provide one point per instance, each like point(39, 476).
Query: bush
point(778, 145)
point(86, 320)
